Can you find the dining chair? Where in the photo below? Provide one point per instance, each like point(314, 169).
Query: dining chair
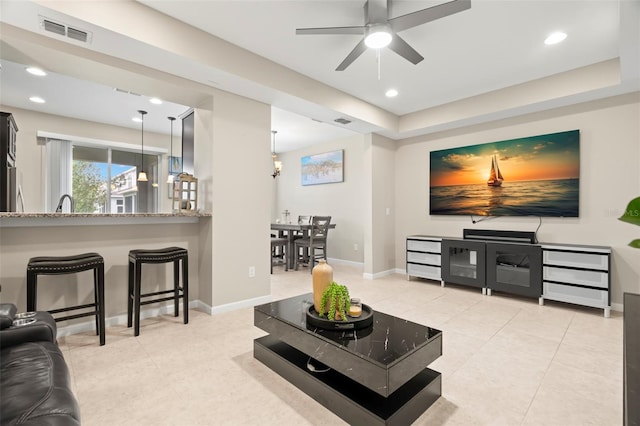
point(279, 253)
point(315, 242)
point(303, 220)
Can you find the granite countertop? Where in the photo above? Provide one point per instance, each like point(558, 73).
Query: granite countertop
point(14, 219)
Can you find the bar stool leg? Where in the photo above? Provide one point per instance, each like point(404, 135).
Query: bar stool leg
point(130, 296)
point(101, 305)
point(185, 288)
point(136, 293)
point(96, 299)
point(32, 283)
point(176, 287)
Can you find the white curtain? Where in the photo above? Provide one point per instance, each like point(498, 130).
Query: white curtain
point(58, 173)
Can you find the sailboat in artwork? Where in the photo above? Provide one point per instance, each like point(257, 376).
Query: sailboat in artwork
point(495, 177)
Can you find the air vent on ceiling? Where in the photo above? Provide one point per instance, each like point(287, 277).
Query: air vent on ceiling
point(65, 30)
point(126, 91)
point(54, 27)
point(342, 121)
point(77, 34)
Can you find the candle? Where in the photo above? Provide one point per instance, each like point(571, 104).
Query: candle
point(355, 310)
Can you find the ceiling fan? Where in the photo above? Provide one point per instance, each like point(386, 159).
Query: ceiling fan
point(381, 31)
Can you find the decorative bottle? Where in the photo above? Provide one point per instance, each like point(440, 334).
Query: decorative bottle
point(322, 275)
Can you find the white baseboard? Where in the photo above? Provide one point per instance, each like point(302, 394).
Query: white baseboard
point(90, 325)
point(240, 304)
point(344, 262)
point(377, 275)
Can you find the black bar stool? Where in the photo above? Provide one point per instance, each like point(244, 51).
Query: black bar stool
point(59, 265)
point(164, 255)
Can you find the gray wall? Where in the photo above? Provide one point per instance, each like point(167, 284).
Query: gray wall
point(343, 201)
point(609, 178)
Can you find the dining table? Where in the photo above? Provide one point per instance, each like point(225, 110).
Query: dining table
point(290, 231)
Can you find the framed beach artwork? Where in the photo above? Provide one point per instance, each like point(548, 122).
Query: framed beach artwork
point(530, 176)
point(323, 168)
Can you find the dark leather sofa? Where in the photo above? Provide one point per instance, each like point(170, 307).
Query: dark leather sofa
point(35, 387)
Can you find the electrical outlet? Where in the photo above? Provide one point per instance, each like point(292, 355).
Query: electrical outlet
point(252, 271)
point(355, 247)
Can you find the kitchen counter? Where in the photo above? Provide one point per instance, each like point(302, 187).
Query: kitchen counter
point(12, 220)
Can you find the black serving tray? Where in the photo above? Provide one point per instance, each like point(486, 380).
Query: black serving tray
point(363, 321)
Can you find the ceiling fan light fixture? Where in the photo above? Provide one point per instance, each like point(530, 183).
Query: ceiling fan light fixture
point(378, 36)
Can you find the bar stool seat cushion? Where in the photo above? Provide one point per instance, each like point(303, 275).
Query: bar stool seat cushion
point(163, 255)
point(64, 264)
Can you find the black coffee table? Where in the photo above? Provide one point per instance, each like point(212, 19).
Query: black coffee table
point(376, 375)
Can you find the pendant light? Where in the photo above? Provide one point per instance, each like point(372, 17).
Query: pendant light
point(277, 165)
point(142, 176)
point(170, 176)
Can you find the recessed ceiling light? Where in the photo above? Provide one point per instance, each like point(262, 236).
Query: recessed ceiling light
point(155, 101)
point(36, 99)
point(137, 119)
point(556, 37)
point(391, 93)
point(36, 71)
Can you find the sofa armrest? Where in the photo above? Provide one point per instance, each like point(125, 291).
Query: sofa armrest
point(43, 330)
point(7, 314)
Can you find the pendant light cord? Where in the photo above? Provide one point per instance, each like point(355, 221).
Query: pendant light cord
point(142, 113)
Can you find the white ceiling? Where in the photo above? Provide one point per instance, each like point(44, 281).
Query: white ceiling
point(494, 45)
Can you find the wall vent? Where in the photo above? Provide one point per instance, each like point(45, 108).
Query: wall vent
point(342, 121)
point(65, 30)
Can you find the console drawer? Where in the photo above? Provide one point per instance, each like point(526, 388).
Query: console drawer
point(578, 295)
point(576, 260)
point(423, 245)
point(423, 271)
point(576, 276)
point(420, 257)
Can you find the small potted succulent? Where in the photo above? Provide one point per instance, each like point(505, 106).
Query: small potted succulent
point(335, 302)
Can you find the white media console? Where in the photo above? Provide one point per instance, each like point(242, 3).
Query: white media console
point(570, 273)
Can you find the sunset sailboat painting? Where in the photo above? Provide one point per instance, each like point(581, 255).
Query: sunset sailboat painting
point(530, 176)
point(495, 177)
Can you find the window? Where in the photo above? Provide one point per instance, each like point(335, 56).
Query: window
point(98, 173)
point(105, 181)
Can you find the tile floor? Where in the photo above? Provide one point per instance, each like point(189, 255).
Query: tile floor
point(506, 361)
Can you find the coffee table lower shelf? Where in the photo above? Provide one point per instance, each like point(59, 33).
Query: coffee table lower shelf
point(348, 399)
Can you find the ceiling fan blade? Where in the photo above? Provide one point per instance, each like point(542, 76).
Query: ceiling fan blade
point(352, 56)
point(403, 49)
point(429, 14)
point(331, 30)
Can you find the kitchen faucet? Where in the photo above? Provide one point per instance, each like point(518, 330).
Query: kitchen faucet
point(59, 208)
